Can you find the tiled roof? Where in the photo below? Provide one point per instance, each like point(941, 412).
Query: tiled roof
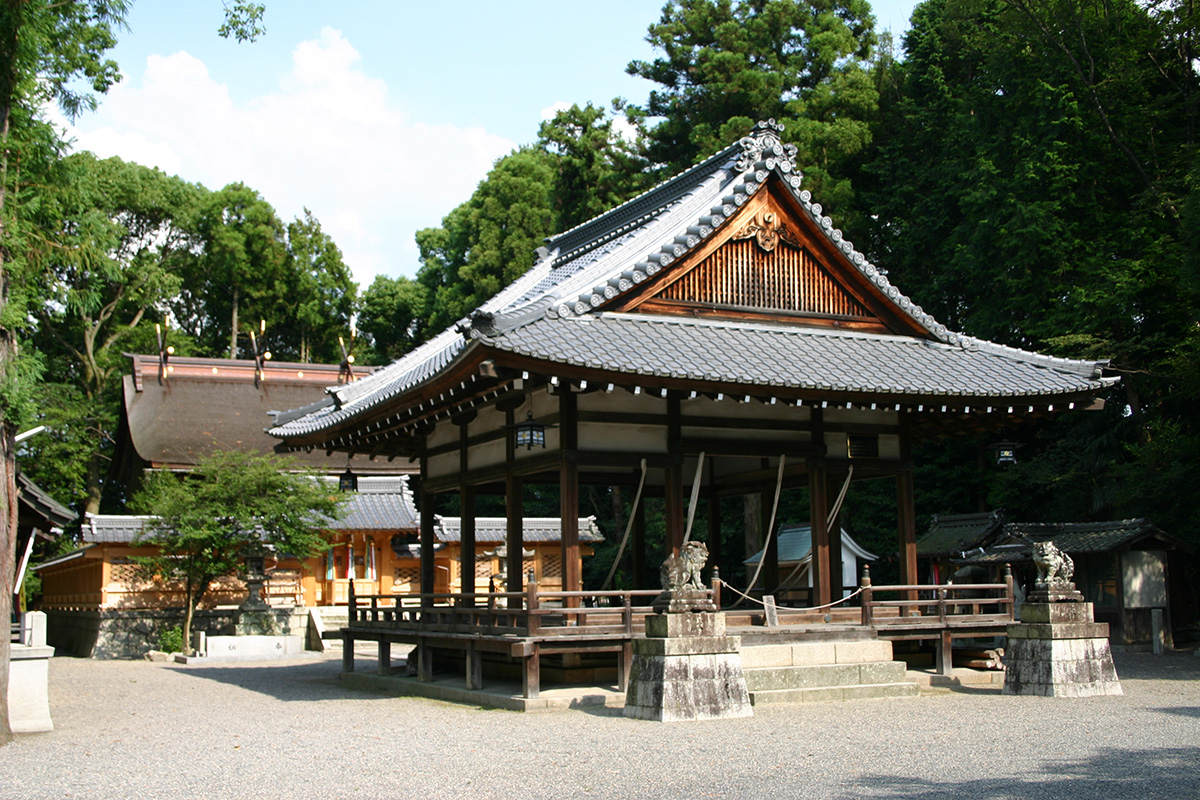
point(113, 528)
point(797, 358)
point(36, 501)
point(534, 529)
point(953, 534)
point(1073, 538)
point(552, 312)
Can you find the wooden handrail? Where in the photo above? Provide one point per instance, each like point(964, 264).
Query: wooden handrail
point(944, 600)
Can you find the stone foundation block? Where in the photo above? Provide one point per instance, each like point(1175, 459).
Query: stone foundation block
point(1068, 658)
point(811, 654)
point(861, 652)
point(686, 624)
point(768, 655)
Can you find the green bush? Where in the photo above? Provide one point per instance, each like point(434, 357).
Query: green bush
point(171, 640)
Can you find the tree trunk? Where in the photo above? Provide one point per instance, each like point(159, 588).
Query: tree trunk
point(8, 464)
point(8, 547)
point(233, 326)
point(188, 612)
point(93, 485)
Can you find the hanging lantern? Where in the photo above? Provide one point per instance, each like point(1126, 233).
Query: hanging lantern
point(348, 482)
point(1006, 452)
point(530, 433)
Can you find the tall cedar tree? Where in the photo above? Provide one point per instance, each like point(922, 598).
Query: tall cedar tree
point(729, 63)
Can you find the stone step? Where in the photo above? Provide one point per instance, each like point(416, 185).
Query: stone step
point(816, 694)
point(959, 676)
point(825, 675)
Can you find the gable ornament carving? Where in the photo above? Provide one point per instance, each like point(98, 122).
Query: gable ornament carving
point(767, 231)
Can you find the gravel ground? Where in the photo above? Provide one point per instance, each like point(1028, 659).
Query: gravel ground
point(290, 729)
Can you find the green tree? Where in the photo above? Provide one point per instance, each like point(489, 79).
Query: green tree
point(1034, 181)
point(316, 295)
point(729, 63)
point(489, 241)
point(49, 52)
point(236, 278)
point(392, 315)
point(231, 504)
point(595, 168)
point(121, 228)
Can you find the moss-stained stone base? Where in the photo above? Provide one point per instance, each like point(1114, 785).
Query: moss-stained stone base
point(1059, 652)
point(687, 677)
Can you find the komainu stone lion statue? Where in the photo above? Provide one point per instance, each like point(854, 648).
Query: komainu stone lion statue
point(683, 571)
point(1053, 565)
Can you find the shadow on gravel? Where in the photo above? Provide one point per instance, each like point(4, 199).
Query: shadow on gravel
point(1117, 773)
point(291, 682)
point(1179, 665)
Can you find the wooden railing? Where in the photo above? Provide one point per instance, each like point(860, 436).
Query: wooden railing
point(530, 613)
point(948, 605)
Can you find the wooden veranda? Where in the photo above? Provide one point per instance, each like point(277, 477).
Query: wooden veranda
point(522, 627)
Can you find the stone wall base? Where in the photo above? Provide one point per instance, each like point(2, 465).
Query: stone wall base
point(131, 633)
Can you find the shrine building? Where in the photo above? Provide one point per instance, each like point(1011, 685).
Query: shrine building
point(717, 331)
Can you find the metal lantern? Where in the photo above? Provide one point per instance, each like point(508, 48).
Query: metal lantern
point(348, 482)
point(1006, 452)
point(530, 433)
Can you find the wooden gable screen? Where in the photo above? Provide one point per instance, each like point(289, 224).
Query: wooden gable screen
point(744, 275)
point(762, 263)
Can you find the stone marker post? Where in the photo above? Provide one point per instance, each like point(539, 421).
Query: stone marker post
point(686, 668)
point(1058, 649)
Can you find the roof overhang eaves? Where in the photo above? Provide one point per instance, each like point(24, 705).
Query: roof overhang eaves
point(465, 363)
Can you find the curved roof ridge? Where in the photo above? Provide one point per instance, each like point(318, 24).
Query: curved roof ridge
point(655, 197)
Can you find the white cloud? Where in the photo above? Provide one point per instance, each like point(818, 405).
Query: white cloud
point(328, 138)
point(550, 111)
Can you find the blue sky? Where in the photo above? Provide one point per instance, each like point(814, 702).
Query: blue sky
point(380, 117)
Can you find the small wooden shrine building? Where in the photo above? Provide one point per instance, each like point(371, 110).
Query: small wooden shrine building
point(720, 314)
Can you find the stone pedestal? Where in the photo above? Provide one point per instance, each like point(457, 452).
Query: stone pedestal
point(686, 668)
point(1058, 649)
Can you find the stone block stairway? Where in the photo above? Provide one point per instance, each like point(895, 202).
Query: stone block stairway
point(814, 666)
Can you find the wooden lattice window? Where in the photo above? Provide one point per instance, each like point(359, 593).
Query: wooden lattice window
point(483, 568)
point(526, 565)
point(551, 566)
point(406, 579)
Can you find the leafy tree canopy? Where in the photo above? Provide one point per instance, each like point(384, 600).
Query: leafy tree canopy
point(231, 504)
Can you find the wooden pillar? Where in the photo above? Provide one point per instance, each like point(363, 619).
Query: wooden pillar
point(466, 552)
point(427, 540)
point(818, 503)
point(514, 510)
point(568, 488)
point(638, 554)
point(715, 554)
point(673, 514)
point(673, 476)
point(906, 515)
